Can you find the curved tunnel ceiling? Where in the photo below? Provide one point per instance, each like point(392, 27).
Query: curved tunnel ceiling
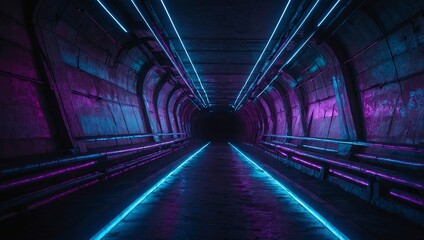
point(223, 51)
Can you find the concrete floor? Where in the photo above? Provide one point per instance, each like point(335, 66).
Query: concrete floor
point(219, 195)
point(216, 195)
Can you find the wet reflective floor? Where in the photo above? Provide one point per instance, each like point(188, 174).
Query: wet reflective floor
point(218, 194)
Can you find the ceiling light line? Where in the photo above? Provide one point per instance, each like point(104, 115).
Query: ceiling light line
point(263, 51)
point(113, 17)
point(269, 84)
point(168, 55)
point(298, 50)
point(328, 13)
point(279, 53)
point(287, 62)
point(185, 50)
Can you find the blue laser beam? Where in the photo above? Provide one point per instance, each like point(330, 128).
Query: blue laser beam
point(106, 229)
point(308, 208)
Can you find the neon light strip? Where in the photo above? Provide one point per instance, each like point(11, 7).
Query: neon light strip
point(110, 14)
point(312, 211)
point(407, 198)
point(348, 177)
point(359, 168)
point(185, 50)
point(46, 175)
point(303, 44)
point(94, 139)
point(106, 229)
point(298, 50)
point(167, 54)
point(269, 84)
point(291, 58)
point(384, 159)
point(328, 13)
point(281, 50)
point(263, 51)
point(320, 148)
point(309, 164)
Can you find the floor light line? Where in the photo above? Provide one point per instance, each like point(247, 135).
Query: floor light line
point(106, 229)
point(313, 212)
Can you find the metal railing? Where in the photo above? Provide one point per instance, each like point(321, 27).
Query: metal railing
point(373, 157)
point(365, 175)
point(73, 172)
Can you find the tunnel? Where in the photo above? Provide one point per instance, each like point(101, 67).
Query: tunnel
point(212, 119)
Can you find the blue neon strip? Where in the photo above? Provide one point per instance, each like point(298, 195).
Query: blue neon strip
point(185, 50)
point(314, 213)
point(166, 52)
point(298, 50)
point(328, 13)
point(106, 229)
point(110, 14)
point(269, 84)
point(263, 51)
point(281, 51)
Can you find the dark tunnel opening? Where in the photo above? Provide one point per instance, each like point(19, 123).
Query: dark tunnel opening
point(217, 126)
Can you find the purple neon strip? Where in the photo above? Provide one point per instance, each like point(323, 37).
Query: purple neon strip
point(352, 167)
point(407, 198)
point(47, 175)
point(283, 153)
point(296, 159)
point(345, 176)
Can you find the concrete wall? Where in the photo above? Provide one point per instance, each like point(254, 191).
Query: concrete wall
point(27, 117)
point(66, 81)
point(362, 83)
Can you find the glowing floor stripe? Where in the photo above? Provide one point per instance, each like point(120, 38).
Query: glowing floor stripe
point(106, 229)
point(314, 213)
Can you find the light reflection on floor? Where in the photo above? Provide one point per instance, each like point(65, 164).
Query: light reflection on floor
point(219, 195)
